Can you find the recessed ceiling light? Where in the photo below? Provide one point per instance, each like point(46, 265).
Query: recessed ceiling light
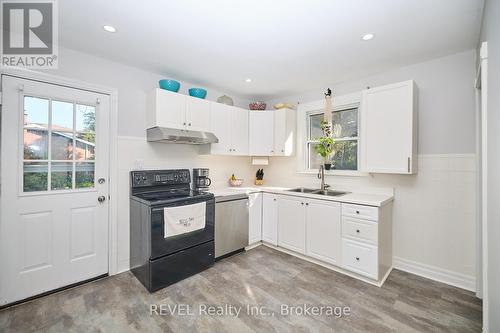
point(248, 80)
point(368, 36)
point(109, 28)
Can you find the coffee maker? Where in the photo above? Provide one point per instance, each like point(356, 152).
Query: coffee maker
point(201, 182)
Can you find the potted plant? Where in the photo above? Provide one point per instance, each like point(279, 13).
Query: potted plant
point(324, 148)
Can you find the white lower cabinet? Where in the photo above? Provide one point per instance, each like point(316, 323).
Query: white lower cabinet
point(367, 240)
point(270, 218)
point(360, 258)
point(323, 231)
point(356, 238)
point(254, 218)
point(292, 223)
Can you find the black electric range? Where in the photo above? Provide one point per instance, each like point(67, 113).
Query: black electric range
point(156, 259)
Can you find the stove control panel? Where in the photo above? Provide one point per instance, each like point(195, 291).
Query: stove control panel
point(146, 178)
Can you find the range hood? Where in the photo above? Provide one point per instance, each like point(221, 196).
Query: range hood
point(173, 135)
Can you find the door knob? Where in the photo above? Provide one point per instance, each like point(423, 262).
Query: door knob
point(101, 198)
point(101, 181)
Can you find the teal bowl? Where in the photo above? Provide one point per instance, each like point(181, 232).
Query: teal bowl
point(198, 92)
point(170, 85)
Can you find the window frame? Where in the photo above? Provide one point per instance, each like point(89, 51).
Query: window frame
point(49, 161)
point(308, 141)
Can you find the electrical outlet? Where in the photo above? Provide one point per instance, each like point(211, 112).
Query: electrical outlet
point(139, 164)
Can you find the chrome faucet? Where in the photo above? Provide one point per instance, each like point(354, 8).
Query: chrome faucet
point(321, 175)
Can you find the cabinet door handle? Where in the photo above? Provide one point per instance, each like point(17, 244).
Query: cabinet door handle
point(357, 258)
point(307, 203)
point(282, 150)
point(357, 212)
point(357, 231)
point(184, 124)
point(189, 124)
point(274, 199)
point(409, 162)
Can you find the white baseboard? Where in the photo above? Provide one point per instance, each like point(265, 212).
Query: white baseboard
point(435, 273)
point(329, 266)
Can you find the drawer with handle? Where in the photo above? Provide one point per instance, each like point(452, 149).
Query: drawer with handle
point(361, 230)
point(359, 211)
point(360, 258)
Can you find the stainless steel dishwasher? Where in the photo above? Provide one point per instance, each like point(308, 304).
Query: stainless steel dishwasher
point(231, 224)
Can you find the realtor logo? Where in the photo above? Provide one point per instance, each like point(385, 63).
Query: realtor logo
point(29, 33)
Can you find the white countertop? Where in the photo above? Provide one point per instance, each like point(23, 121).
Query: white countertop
point(368, 199)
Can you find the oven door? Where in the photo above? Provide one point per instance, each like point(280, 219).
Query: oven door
point(161, 246)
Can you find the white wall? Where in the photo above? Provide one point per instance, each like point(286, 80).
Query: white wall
point(491, 34)
point(133, 85)
point(434, 211)
point(446, 100)
point(437, 237)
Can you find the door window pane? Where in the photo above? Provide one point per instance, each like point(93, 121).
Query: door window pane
point(345, 123)
point(62, 146)
point(85, 118)
point(61, 135)
point(61, 176)
point(62, 116)
point(35, 176)
point(36, 112)
point(84, 150)
point(345, 156)
point(84, 175)
point(36, 143)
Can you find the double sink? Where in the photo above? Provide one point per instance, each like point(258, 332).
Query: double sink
point(330, 193)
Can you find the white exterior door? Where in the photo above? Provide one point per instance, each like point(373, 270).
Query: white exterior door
point(54, 187)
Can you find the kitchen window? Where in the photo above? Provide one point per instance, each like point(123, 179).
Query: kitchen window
point(345, 133)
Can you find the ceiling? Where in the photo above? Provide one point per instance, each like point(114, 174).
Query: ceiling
point(284, 46)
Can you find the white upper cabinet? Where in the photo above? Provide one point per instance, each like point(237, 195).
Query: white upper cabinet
point(220, 119)
point(172, 110)
point(389, 128)
point(197, 114)
point(284, 132)
point(166, 109)
point(261, 133)
point(272, 133)
point(230, 125)
point(239, 131)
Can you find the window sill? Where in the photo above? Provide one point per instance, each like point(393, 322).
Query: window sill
point(344, 173)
